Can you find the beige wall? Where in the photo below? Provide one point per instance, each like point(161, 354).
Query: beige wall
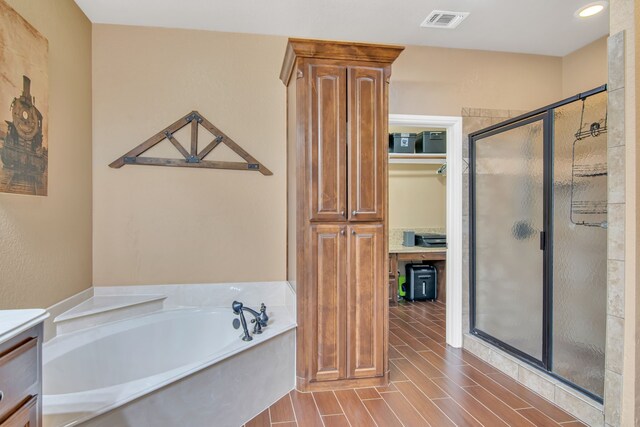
point(417, 197)
point(161, 225)
point(45, 242)
point(438, 81)
point(585, 69)
point(178, 225)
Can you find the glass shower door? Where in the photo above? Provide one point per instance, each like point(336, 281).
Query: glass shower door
point(508, 220)
point(538, 217)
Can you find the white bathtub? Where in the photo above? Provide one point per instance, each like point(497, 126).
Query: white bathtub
point(180, 366)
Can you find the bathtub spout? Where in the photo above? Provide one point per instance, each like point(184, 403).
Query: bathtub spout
point(260, 319)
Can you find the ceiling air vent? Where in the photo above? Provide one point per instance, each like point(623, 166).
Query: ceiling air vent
point(444, 19)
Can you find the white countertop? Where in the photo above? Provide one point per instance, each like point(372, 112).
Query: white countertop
point(13, 322)
point(394, 249)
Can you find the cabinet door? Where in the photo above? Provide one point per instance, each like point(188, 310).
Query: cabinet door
point(328, 301)
point(367, 144)
point(366, 299)
point(328, 142)
point(19, 376)
point(25, 416)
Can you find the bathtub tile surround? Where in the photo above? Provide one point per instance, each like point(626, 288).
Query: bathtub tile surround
point(104, 309)
point(251, 294)
point(105, 303)
point(179, 376)
point(181, 361)
point(273, 294)
point(225, 395)
point(61, 307)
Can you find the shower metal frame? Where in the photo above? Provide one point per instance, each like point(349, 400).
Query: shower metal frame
point(546, 114)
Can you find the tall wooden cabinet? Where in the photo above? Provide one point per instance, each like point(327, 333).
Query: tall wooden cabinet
point(337, 110)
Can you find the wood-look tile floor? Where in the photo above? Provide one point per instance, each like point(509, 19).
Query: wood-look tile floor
point(431, 384)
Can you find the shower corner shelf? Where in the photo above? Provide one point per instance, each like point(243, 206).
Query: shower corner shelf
point(589, 171)
point(417, 158)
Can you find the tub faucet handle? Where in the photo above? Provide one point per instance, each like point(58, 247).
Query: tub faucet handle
point(263, 318)
point(237, 307)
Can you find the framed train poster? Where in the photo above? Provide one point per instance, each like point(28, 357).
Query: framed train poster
point(24, 105)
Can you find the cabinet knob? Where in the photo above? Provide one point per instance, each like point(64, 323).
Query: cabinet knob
point(341, 213)
point(342, 232)
point(353, 232)
point(354, 213)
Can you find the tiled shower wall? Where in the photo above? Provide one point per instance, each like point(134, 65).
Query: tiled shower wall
point(587, 410)
point(616, 230)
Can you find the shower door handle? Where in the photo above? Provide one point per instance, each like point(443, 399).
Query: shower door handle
point(543, 240)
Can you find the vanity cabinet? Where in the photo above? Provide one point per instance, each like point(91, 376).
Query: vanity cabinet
point(337, 96)
point(25, 416)
point(20, 379)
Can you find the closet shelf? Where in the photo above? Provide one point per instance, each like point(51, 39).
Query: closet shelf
point(426, 159)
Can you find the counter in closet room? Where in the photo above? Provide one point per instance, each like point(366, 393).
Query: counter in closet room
point(417, 254)
point(401, 249)
point(21, 367)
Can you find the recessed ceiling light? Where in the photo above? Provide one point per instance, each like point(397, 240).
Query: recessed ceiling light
point(591, 9)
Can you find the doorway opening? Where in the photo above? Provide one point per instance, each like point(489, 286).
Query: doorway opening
point(454, 169)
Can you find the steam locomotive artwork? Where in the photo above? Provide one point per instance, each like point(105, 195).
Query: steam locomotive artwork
point(24, 106)
point(22, 150)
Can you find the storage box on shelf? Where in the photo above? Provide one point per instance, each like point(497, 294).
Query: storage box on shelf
point(431, 142)
point(402, 142)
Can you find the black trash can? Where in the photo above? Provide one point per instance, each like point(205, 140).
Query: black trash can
point(422, 282)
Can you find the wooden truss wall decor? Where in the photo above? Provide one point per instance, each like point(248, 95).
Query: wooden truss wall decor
point(192, 158)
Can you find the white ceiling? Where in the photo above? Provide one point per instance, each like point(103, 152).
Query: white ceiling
point(546, 27)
